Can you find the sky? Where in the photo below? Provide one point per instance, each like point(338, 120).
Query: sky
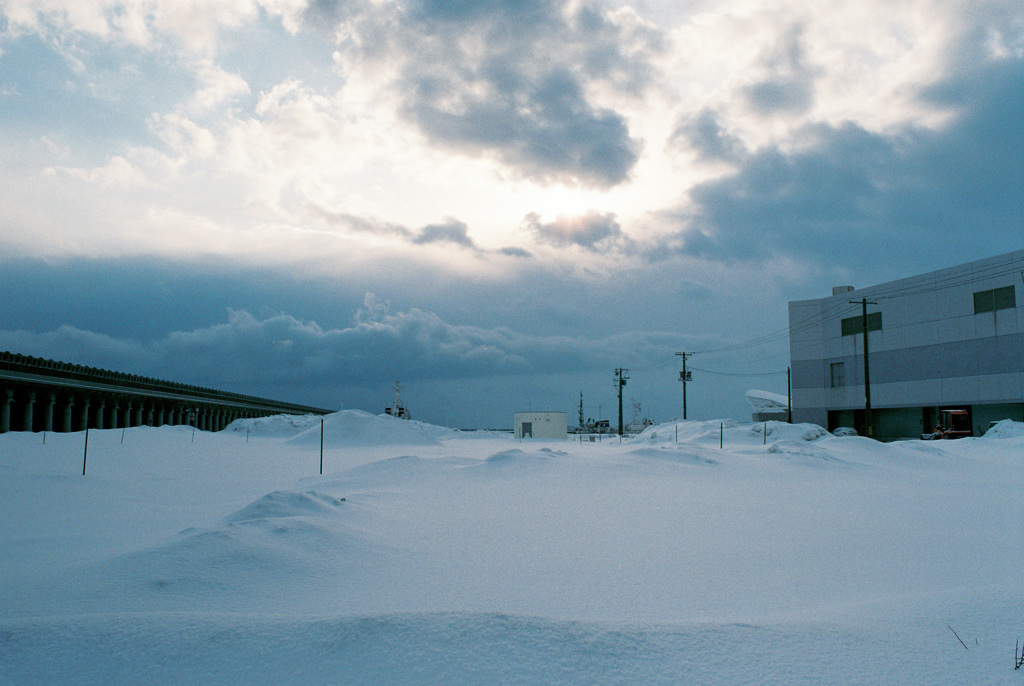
point(496, 203)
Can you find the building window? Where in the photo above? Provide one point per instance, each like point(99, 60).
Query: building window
point(838, 374)
point(855, 325)
point(995, 299)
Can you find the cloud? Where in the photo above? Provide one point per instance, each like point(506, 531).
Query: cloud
point(704, 133)
point(788, 86)
point(217, 87)
point(593, 231)
point(514, 81)
point(116, 172)
point(197, 26)
point(451, 231)
point(842, 191)
point(254, 354)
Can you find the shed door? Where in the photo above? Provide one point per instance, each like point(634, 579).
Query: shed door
point(527, 430)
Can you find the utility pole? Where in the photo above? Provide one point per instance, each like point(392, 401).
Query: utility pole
point(620, 381)
point(684, 376)
point(789, 395)
point(581, 412)
point(864, 302)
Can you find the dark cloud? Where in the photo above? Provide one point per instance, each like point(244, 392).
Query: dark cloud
point(282, 356)
point(452, 231)
point(449, 231)
point(704, 134)
point(592, 231)
point(788, 87)
point(351, 222)
point(846, 193)
point(542, 127)
point(519, 92)
point(789, 95)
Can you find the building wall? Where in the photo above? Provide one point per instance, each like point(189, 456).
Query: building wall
point(541, 425)
point(933, 349)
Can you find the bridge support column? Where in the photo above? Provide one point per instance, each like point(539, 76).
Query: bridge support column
point(99, 414)
point(115, 415)
point(84, 419)
point(5, 410)
point(30, 407)
point(69, 407)
point(48, 413)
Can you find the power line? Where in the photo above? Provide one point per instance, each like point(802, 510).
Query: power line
point(720, 373)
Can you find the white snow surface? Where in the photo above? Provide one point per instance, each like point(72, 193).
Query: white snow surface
point(424, 555)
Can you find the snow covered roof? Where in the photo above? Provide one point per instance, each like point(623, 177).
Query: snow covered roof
point(765, 401)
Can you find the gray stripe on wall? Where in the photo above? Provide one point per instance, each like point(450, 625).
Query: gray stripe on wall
point(977, 357)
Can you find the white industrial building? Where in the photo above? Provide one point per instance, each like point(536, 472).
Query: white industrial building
point(950, 339)
point(541, 425)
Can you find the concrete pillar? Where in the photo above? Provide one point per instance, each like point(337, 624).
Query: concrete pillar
point(5, 410)
point(149, 416)
point(69, 407)
point(160, 417)
point(126, 417)
point(84, 420)
point(30, 408)
point(115, 415)
point(172, 416)
point(138, 415)
point(99, 413)
point(48, 413)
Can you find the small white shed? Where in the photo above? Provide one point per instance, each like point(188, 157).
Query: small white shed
point(541, 425)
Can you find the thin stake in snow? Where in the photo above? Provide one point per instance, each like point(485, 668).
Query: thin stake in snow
point(1018, 661)
point(85, 454)
point(321, 447)
point(958, 637)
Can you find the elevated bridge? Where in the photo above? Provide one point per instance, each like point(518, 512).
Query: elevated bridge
point(44, 395)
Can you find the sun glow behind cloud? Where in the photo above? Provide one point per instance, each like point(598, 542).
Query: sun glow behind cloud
point(358, 148)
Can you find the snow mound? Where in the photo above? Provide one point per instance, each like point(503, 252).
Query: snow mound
point(274, 425)
point(781, 431)
point(667, 454)
point(280, 538)
point(728, 431)
point(282, 504)
point(1006, 428)
point(687, 431)
point(521, 457)
point(355, 428)
point(801, 452)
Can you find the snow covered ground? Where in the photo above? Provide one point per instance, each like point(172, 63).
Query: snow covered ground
point(426, 555)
